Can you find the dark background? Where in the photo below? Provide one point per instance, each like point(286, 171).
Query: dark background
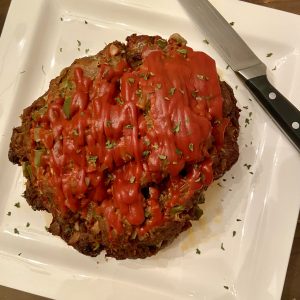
point(291, 290)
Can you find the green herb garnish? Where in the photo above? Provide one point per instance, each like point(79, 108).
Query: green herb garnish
point(75, 132)
point(202, 77)
point(138, 92)
point(146, 153)
point(108, 123)
point(162, 156)
point(172, 91)
point(195, 94)
point(206, 41)
point(269, 54)
point(146, 76)
point(179, 152)
point(177, 127)
point(155, 146)
point(191, 147)
point(129, 126)
point(66, 84)
point(247, 166)
point(92, 159)
point(198, 251)
point(27, 224)
point(9, 213)
point(109, 144)
point(132, 179)
point(147, 213)
point(247, 122)
point(182, 51)
point(130, 80)
point(16, 231)
point(118, 100)
point(198, 210)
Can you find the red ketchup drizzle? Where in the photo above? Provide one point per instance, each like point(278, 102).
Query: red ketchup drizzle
point(106, 149)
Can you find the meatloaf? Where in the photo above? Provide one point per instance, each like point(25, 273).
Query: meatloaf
point(123, 144)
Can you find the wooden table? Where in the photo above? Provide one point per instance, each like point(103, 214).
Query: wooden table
point(291, 290)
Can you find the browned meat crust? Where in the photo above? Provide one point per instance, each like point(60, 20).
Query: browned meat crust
point(89, 235)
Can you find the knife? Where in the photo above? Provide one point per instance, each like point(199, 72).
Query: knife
point(247, 65)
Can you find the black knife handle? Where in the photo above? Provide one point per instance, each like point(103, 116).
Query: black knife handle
point(283, 112)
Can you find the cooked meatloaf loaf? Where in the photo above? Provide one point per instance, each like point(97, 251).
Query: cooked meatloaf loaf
point(122, 145)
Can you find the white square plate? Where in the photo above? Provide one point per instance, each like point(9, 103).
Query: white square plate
point(41, 37)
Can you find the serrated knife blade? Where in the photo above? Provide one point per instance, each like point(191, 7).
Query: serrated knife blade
point(245, 63)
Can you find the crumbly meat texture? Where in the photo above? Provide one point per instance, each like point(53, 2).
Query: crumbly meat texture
point(89, 235)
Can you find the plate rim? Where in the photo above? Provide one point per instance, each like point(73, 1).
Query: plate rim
point(7, 29)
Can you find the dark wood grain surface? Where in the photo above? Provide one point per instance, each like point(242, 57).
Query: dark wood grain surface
point(291, 289)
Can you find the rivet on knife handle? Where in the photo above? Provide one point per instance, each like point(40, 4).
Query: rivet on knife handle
point(283, 112)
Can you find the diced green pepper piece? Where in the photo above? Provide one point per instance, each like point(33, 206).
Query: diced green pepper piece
point(162, 43)
point(36, 134)
point(67, 107)
point(37, 157)
point(177, 209)
point(27, 171)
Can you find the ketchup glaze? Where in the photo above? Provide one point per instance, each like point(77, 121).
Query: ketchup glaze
point(123, 130)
